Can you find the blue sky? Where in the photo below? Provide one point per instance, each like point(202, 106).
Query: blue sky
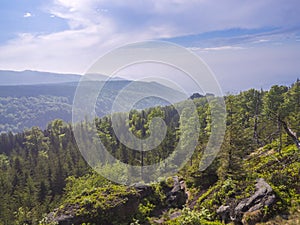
point(245, 43)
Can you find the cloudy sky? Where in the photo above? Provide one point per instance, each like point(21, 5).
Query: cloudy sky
point(245, 43)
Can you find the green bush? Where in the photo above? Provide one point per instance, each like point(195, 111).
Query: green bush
point(193, 217)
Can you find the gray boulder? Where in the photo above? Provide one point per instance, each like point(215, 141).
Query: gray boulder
point(263, 196)
point(249, 210)
point(177, 197)
point(143, 189)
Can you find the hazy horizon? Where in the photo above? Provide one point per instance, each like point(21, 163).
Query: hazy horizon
point(245, 44)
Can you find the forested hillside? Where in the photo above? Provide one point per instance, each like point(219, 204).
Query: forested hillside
point(25, 106)
point(255, 177)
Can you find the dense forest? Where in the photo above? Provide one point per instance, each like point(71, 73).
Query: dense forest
point(25, 106)
point(45, 180)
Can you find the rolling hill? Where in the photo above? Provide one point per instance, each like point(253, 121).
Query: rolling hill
point(38, 97)
point(29, 77)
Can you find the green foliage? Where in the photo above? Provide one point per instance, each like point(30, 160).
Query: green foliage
point(94, 199)
point(33, 169)
point(281, 170)
point(192, 217)
point(135, 222)
point(273, 101)
point(219, 194)
point(144, 211)
point(25, 112)
point(42, 169)
point(153, 202)
point(36, 105)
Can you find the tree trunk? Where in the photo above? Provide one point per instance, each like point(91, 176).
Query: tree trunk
point(142, 164)
point(255, 129)
point(279, 127)
point(290, 133)
point(255, 133)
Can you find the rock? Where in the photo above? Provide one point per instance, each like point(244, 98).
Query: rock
point(224, 212)
point(175, 215)
point(177, 197)
point(196, 95)
point(121, 208)
point(65, 216)
point(251, 218)
point(143, 189)
point(117, 207)
point(250, 209)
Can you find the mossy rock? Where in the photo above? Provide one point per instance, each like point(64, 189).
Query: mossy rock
point(110, 205)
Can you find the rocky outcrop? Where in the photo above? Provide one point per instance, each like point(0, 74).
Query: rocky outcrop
point(143, 189)
point(177, 197)
point(65, 216)
point(249, 210)
point(119, 209)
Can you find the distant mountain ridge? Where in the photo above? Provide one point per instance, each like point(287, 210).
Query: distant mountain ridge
point(36, 98)
point(29, 77)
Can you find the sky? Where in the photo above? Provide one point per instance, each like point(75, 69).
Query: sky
point(246, 44)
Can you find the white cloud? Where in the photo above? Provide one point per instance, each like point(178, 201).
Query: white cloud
point(97, 26)
point(28, 14)
point(260, 66)
point(178, 17)
point(261, 41)
point(67, 51)
point(221, 48)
